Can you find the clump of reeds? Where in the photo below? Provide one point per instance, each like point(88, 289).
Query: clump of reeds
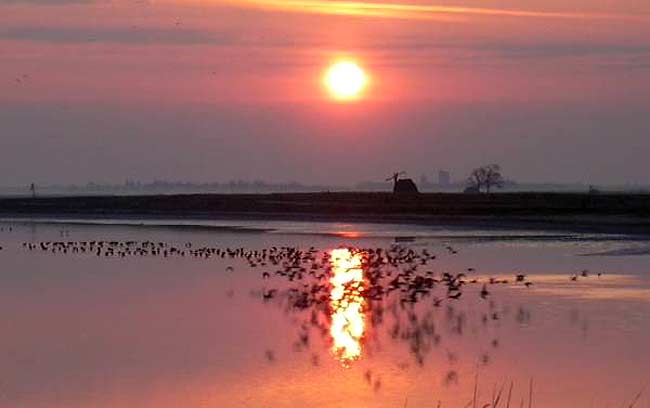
point(501, 400)
point(498, 396)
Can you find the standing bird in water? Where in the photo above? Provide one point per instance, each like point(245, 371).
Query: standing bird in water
point(484, 292)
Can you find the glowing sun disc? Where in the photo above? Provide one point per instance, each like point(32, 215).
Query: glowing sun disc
point(345, 80)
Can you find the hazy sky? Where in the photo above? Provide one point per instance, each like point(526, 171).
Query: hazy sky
point(553, 90)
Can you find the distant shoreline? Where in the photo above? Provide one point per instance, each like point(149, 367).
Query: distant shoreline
point(604, 213)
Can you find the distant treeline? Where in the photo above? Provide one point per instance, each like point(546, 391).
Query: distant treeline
point(167, 187)
point(131, 187)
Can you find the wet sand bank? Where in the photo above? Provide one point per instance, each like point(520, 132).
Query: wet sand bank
point(610, 213)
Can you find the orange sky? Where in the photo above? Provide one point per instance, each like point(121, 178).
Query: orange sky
point(266, 53)
point(275, 50)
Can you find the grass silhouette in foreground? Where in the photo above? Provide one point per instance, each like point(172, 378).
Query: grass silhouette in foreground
point(501, 400)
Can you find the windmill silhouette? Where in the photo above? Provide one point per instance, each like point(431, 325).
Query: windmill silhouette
point(404, 185)
point(396, 176)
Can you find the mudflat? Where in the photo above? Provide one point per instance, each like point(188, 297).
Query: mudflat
point(623, 213)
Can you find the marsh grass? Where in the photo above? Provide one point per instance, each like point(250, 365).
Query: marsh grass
point(500, 400)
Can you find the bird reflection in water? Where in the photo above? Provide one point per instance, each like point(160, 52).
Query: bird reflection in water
point(347, 305)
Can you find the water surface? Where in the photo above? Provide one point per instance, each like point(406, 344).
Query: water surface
point(151, 330)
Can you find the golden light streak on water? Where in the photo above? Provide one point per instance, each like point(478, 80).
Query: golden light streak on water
point(347, 305)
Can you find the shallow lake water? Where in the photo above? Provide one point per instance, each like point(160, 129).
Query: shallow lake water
point(154, 316)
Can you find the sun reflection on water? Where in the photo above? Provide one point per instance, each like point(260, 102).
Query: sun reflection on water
point(347, 305)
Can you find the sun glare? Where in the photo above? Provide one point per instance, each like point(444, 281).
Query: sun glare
point(345, 80)
point(347, 304)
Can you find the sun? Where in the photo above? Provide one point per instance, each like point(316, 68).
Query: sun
point(345, 80)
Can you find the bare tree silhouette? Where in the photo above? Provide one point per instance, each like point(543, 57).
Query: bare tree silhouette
point(485, 177)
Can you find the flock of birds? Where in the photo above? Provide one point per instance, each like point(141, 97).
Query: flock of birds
point(122, 249)
point(397, 281)
point(402, 288)
point(396, 269)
